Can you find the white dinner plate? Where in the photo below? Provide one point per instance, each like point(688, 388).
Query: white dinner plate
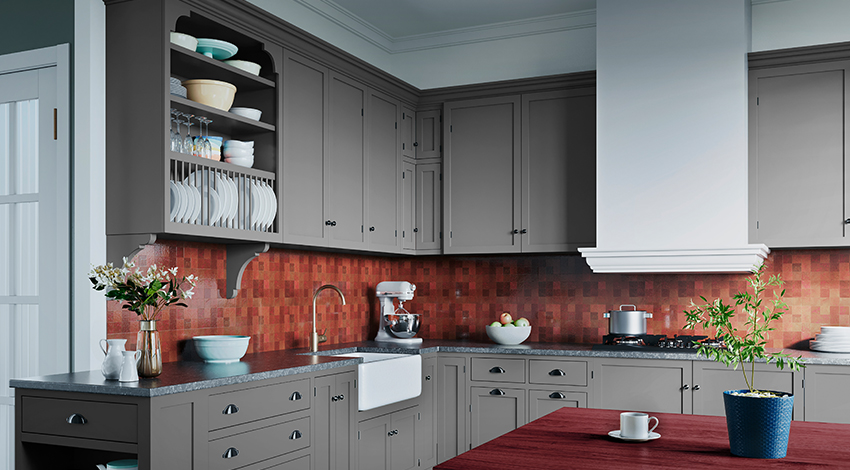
point(215, 206)
point(233, 200)
point(616, 435)
point(196, 209)
point(175, 201)
point(258, 203)
point(267, 205)
point(223, 190)
point(190, 204)
point(272, 204)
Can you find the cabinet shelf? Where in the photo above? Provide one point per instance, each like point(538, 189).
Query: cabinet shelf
point(223, 166)
point(222, 121)
point(189, 65)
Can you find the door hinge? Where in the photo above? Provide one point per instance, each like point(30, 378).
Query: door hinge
point(757, 224)
point(441, 175)
point(402, 234)
point(396, 125)
point(591, 375)
point(450, 236)
point(464, 369)
point(418, 462)
point(361, 111)
point(358, 435)
point(451, 128)
point(396, 233)
point(419, 416)
point(441, 147)
point(314, 391)
point(470, 408)
point(355, 383)
point(361, 229)
point(402, 145)
point(803, 383)
point(757, 100)
point(441, 235)
point(441, 118)
point(402, 116)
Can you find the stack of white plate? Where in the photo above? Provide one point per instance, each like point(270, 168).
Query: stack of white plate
point(216, 199)
point(832, 339)
point(260, 204)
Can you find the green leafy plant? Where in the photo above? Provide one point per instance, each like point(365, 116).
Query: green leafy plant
point(747, 345)
point(143, 292)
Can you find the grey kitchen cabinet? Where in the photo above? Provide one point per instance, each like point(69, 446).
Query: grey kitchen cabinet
point(797, 159)
point(495, 410)
point(305, 123)
point(426, 443)
point(334, 423)
point(408, 205)
point(382, 186)
point(428, 231)
point(345, 173)
point(388, 442)
point(647, 385)
point(482, 175)
point(558, 170)
point(825, 394)
point(429, 143)
point(450, 407)
point(711, 379)
point(407, 125)
point(543, 402)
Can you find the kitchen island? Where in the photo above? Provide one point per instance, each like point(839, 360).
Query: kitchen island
point(578, 438)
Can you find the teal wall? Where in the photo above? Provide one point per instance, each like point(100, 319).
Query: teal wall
point(33, 24)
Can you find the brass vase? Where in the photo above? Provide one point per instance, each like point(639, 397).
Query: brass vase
point(148, 342)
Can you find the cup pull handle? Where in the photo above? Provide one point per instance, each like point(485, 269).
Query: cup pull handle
point(497, 370)
point(76, 419)
point(557, 373)
point(230, 453)
point(231, 409)
point(496, 391)
point(295, 435)
point(295, 396)
point(557, 395)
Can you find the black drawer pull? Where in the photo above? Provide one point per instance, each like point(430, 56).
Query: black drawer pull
point(557, 395)
point(230, 453)
point(557, 373)
point(295, 435)
point(76, 419)
point(497, 370)
point(295, 396)
point(231, 409)
point(496, 391)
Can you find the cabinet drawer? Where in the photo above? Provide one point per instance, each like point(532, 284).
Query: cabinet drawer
point(260, 444)
point(557, 372)
point(251, 404)
point(543, 402)
point(96, 420)
point(498, 370)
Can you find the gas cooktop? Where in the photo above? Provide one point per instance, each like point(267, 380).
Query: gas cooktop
point(656, 343)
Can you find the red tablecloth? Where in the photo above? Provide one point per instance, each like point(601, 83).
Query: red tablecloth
point(578, 438)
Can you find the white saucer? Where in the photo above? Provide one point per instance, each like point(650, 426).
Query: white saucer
point(652, 436)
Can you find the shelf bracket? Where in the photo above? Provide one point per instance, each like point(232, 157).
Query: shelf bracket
point(120, 246)
point(238, 257)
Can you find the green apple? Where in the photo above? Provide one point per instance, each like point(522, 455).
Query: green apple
point(495, 323)
point(522, 322)
point(508, 324)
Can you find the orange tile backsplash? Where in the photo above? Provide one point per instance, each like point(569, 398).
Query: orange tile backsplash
point(459, 295)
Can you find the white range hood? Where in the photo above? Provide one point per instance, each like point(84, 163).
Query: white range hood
point(672, 137)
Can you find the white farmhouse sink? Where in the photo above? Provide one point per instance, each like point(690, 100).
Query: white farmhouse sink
point(385, 378)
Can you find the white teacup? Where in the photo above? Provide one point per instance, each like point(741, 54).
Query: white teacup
point(636, 425)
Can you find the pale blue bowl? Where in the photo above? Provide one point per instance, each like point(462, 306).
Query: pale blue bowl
point(221, 349)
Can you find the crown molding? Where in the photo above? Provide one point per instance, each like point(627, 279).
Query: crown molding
point(711, 260)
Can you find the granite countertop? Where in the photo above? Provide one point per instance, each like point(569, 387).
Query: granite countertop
point(185, 376)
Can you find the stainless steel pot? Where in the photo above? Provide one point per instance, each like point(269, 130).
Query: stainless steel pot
point(627, 322)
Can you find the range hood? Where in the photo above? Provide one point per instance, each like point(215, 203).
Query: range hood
point(672, 137)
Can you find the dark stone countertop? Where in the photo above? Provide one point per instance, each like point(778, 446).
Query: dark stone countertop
point(187, 376)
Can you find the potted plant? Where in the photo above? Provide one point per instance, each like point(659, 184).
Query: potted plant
point(758, 421)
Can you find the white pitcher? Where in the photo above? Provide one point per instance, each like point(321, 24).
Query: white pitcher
point(111, 366)
point(129, 371)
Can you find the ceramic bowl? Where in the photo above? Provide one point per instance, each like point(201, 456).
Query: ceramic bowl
point(231, 152)
point(212, 93)
point(221, 349)
point(250, 67)
point(246, 162)
point(184, 40)
point(248, 144)
point(250, 113)
point(508, 335)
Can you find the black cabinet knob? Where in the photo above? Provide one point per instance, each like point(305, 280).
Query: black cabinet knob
point(523, 231)
point(333, 224)
point(371, 229)
point(686, 387)
point(847, 221)
point(328, 222)
point(231, 409)
point(427, 377)
point(416, 144)
point(515, 231)
point(341, 397)
point(76, 419)
point(696, 387)
point(415, 230)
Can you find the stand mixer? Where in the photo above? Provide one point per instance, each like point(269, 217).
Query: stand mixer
point(401, 324)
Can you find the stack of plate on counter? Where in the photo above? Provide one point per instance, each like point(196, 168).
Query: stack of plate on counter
point(216, 199)
point(832, 339)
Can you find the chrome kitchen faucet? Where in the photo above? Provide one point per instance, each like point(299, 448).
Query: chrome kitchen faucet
point(317, 338)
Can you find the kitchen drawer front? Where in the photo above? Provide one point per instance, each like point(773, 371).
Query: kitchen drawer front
point(557, 372)
point(498, 370)
point(260, 444)
point(543, 402)
point(251, 404)
point(94, 420)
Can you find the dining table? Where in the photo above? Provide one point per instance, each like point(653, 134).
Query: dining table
point(579, 438)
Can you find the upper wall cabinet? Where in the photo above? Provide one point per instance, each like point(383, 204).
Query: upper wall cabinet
point(798, 171)
point(428, 141)
point(383, 185)
point(520, 173)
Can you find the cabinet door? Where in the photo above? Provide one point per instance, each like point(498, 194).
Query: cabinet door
point(543, 402)
point(826, 394)
point(373, 443)
point(644, 385)
point(495, 411)
point(428, 131)
point(402, 443)
point(429, 207)
point(408, 198)
point(305, 111)
point(450, 397)
point(482, 175)
point(345, 168)
point(426, 449)
point(382, 163)
point(335, 397)
point(558, 171)
point(797, 132)
point(712, 379)
point(408, 132)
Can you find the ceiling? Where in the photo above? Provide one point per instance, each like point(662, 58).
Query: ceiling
point(403, 18)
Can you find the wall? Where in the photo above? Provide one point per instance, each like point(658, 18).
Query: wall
point(33, 24)
point(796, 23)
point(458, 296)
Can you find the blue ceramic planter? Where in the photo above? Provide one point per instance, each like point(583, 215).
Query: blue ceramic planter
point(758, 427)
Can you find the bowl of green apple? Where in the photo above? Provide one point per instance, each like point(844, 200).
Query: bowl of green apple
point(508, 331)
